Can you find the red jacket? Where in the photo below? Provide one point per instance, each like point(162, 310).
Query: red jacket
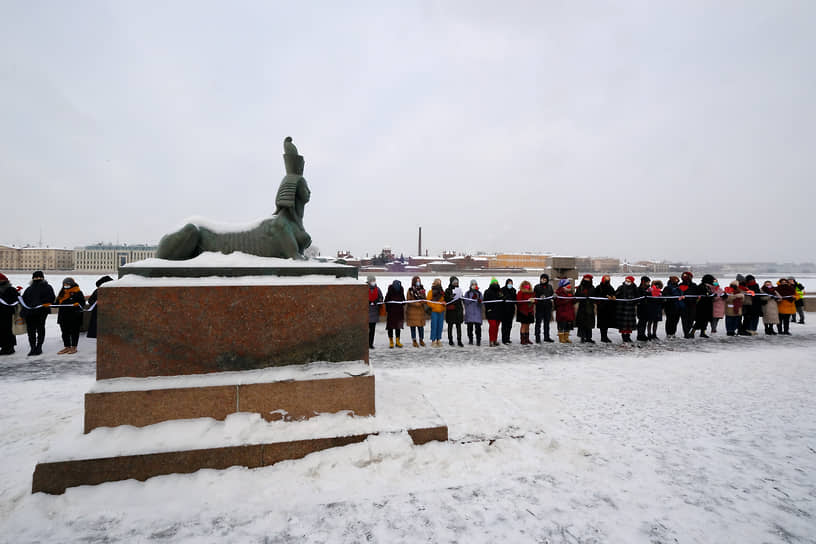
point(564, 307)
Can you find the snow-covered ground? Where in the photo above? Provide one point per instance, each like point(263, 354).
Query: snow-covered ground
point(684, 441)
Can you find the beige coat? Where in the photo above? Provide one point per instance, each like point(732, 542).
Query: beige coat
point(414, 312)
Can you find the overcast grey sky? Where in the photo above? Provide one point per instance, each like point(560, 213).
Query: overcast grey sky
point(667, 130)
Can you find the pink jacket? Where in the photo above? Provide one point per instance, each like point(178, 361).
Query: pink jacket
point(718, 304)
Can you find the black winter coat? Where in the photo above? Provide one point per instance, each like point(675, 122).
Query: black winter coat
point(455, 311)
point(543, 290)
point(585, 317)
point(705, 308)
point(9, 295)
point(493, 311)
point(606, 309)
point(508, 308)
point(39, 292)
point(71, 314)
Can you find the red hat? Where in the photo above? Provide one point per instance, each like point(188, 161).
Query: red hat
point(587, 276)
point(3, 277)
point(630, 278)
point(687, 273)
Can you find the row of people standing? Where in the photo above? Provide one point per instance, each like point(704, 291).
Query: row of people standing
point(38, 298)
point(629, 308)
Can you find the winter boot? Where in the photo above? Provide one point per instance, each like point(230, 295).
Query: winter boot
point(605, 337)
point(397, 342)
point(391, 343)
point(470, 340)
point(415, 343)
point(627, 338)
point(560, 337)
point(566, 338)
point(422, 342)
point(537, 338)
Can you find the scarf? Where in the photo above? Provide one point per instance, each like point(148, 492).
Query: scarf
point(417, 292)
point(65, 294)
point(373, 294)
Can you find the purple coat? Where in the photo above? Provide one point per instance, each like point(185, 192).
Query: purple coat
point(473, 310)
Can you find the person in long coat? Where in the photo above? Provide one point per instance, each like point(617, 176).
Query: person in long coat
point(717, 305)
point(705, 306)
point(473, 312)
point(415, 312)
point(606, 308)
point(644, 313)
point(626, 307)
point(673, 305)
point(454, 310)
point(564, 309)
point(585, 316)
point(770, 308)
point(493, 303)
point(394, 312)
point(525, 310)
point(8, 294)
point(691, 294)
point(72, 303)
point(38, 296)
point(543, 312)
point(508, 310)
point(734, 297)
point(92, 324)
point(375, 298)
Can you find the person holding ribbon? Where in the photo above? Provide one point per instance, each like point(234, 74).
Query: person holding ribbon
point(786, 304)
point(585, 317)
point(543, 313)
point(626, 308)
point(690, 294)
point(508, 310)
point(37, 299)
point(394, 312)
point(415, 315)
point(473, 313)
point(71, 302)
point(454, 311)
point(770, 308)
point(564, 309)
point(436, 297)
point(525, 310)
point(8, 300)
point(375, 298)
point(494, 301)
point(674, 306)
point(606, 308)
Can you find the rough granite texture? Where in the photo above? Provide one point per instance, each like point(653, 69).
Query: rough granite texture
point(288, 400)
point(170, 331)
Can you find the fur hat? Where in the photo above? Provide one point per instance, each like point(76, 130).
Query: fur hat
point(37, 274)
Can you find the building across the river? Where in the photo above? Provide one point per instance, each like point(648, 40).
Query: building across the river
point(109, 258)
point(36, 258)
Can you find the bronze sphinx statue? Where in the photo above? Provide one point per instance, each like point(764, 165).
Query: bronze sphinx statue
point(282, 235)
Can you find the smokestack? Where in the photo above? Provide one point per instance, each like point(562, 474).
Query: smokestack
point(419, 245)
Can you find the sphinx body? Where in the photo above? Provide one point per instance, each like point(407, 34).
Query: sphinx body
point(282, 235)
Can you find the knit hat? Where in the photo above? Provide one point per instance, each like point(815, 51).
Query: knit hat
point(69, 281)
point(630, 278)
point(562, 282)
point(687, 273)
point(544, 277)
point(645, 279)
point(740, 278)
point(474, 284)
point(494, 280)
point(3, 278)
point(103, 280)
point(37, 274)
point(369, 279)
point(587, 277)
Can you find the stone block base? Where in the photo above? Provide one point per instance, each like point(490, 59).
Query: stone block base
point(54, 478)
point(287, 399)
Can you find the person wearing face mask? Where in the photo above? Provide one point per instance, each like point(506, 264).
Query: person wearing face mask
point(717, 305)
point(375, 298)
point(626, 308)
point(437, 299)
point(415, 315)
point(673, 305)
point(770, 309)
point(543, 310)
point(38, 293)
point(564, 309)
point(473, 313)
point(494, 302)
point(606, 308)
point(72, 302)
point(508, 310)
point(454, 311)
